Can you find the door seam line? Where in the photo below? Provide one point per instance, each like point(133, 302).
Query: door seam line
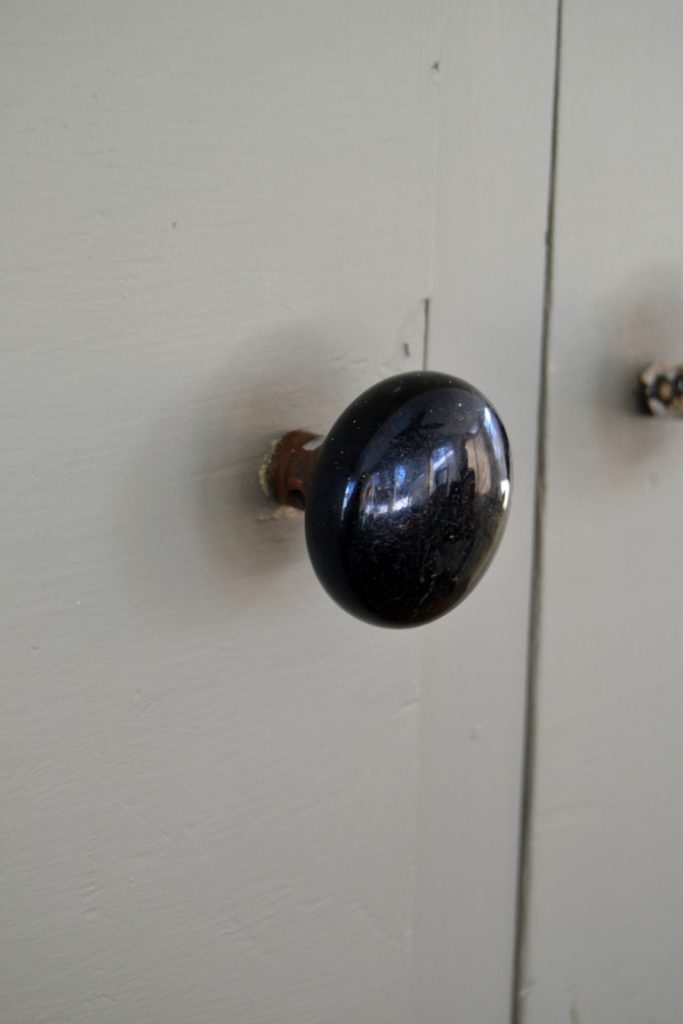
point(520, 981)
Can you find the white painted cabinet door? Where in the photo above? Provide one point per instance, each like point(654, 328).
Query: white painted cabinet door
point(604, 928)
point(222, 798)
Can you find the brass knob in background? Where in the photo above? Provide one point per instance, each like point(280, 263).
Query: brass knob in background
point(661, 390)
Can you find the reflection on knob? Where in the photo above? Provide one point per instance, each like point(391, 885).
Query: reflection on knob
point(405, 499)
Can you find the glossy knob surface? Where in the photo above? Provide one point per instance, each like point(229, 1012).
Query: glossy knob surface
point(408, 499)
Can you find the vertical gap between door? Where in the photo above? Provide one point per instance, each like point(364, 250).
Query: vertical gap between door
point(519, 971)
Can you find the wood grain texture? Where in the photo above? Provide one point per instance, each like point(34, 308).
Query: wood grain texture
point(496, 81)
point(216, 226)
point(605, 942)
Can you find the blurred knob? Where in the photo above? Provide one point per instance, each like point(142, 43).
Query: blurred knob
point(661, 390)
point(405, 499)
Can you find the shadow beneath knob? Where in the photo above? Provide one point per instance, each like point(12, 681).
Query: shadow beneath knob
point(202, 535)
point(202, 539)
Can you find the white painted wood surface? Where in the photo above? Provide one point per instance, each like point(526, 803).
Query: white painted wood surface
point(495, 81)
point(605, 928)
point(216, 226)
point(222, 799)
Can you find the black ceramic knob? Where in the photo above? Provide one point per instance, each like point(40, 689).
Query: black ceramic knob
point(406, 499)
